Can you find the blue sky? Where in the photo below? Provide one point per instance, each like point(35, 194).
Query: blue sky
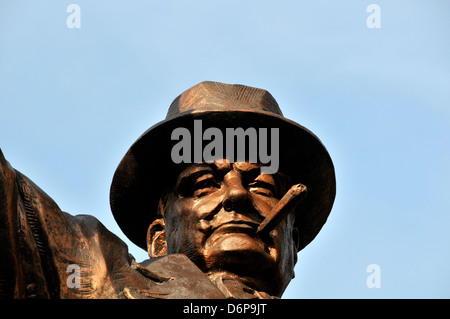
point(73, 101)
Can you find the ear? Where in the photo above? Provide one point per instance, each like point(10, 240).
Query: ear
point(156, 239)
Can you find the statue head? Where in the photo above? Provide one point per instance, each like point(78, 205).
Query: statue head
point(174, 197)
point(212, 216)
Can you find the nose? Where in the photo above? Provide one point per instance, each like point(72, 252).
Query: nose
point(236, 196)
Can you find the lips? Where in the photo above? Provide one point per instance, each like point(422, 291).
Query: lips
point(233, 226)
point(236, 226)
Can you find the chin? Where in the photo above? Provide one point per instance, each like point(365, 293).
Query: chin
point(238, 253)
point(252, 261)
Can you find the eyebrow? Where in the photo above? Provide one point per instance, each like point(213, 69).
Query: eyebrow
point(191, 172)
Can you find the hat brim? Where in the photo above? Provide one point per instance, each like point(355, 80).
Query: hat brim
point(147, 170)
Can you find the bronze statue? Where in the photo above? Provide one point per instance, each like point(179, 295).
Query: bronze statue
point(214, 227)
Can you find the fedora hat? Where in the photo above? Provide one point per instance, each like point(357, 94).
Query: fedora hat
point(147, 170)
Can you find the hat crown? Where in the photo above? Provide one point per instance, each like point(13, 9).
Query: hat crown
point(209, 96)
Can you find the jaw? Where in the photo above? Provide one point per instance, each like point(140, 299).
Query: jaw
point(246, 259)
point(237, 252)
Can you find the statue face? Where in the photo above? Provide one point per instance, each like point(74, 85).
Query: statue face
point(212, 218)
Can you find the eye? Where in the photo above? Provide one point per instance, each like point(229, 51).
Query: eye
point(261, 188)
point(205, 185)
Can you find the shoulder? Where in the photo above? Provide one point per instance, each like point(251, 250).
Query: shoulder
point(93, 229)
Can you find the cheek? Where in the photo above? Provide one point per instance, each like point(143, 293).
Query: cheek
point(285, 244)
point(263, 204)
point(176, 225)
point(184, 220)
point(178, 214)
point(206, 206)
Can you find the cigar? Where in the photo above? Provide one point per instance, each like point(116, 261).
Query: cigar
point(287, 203)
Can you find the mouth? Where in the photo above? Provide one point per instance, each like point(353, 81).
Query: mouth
point(237, 226)
point(243, 232)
